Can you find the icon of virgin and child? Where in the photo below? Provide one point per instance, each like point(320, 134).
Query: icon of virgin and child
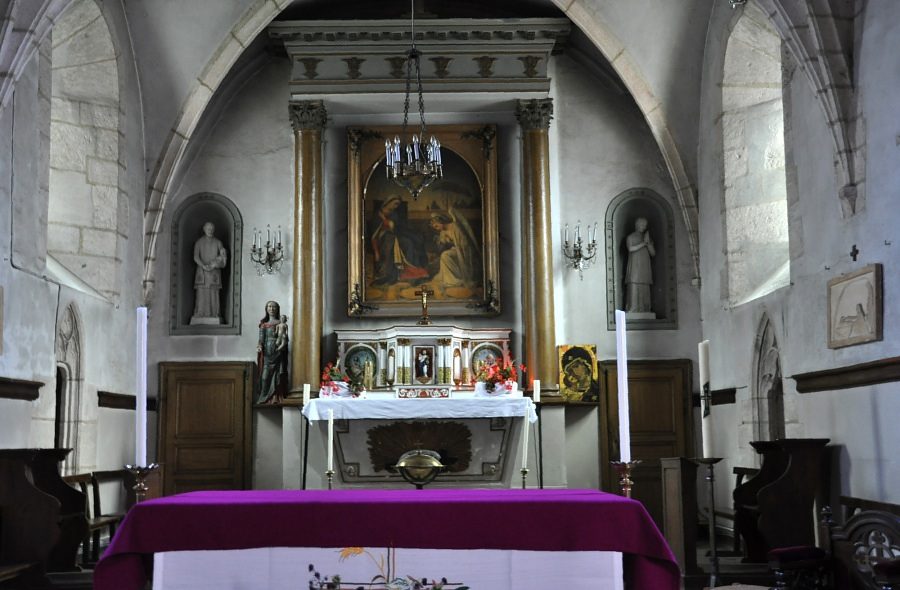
point(433, 245)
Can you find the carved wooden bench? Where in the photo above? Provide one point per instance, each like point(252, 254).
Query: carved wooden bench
point(861, 554)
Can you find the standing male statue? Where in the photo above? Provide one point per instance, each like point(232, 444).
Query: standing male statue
point(639, 271)
point(210, 257)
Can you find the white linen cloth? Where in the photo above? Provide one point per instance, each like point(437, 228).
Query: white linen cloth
point(410, 409)
point(288, 568)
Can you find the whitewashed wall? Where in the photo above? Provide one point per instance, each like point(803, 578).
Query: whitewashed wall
point(33, 303)
point(857, 420)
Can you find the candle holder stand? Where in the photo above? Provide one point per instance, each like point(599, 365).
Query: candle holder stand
point(710, 463)
point(140, 474)
point(524, 471)
point(624, 468)
point(330, 475)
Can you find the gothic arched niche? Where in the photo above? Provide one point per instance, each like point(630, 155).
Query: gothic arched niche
point(68, 410)
point(187, 227)
point(768, 392)
point(621, 217)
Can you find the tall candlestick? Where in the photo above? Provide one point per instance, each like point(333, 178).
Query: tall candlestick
point(525, 443)
point(536, 391)
point(705, 398)
point(622, 374)
point(305, 393)
point(140, 414)
point(330, 440)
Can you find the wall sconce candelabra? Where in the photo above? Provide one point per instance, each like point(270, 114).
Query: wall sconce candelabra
point(579, 255)
point(269, 256)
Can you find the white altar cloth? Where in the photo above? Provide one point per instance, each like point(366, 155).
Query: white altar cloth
point(410, 409)
point(288, 568)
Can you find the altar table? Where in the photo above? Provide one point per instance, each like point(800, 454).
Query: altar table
point(526, 520)
point(410, 409)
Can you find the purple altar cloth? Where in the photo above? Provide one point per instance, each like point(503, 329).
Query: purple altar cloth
point(537, 520)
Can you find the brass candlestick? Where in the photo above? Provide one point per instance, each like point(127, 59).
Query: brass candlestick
point(524, 476)
point(623, 468)
point(140, 474)
point(330, 475)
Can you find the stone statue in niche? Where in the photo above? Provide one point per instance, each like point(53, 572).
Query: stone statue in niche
point(210, 256)
point(639, 271)
point(272, 355)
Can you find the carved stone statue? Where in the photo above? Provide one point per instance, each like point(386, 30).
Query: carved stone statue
point(639, 270)
point(210, 256)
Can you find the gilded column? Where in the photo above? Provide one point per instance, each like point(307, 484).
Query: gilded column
point(537, 252)
point(308, 121)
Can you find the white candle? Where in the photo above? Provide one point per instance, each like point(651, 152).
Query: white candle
point(140, 414)
point(391, 369)
point(536, 393)
point(705, 404)
point(525, 442)
point(305, 393)
point(622, 373)
point(330, 440)
point(457, 368)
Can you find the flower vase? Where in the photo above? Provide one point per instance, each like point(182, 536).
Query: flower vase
point(335, 389)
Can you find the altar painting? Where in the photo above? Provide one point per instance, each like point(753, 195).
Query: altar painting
point(443, 242)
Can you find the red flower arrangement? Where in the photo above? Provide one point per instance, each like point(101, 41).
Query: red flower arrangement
point(332, 375)
point(500, 372)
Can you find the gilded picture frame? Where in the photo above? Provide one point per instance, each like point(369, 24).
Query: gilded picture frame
point(579, 375)
point(855, 307)
point(444, 242)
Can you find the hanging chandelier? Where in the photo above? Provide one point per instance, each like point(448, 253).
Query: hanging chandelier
point(416, 164)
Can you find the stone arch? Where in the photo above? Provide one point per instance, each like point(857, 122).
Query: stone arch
point(69, 363)
point(258, 16)
point(86, 217)
point(757, 246)
point(767, 393)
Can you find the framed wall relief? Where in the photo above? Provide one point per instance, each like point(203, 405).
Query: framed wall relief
point(855, 307)
point(445, 241)
point(579, 377)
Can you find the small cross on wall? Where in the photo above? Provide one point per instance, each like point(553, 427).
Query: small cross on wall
point(854, 252)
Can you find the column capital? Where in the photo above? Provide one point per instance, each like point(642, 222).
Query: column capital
point(307, 115)
point(535, 113)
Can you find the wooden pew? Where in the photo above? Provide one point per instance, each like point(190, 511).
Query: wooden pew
point(775, 507)
point(29, 522)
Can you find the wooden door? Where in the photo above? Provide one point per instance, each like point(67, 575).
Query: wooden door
point(205, 438)
point(659, 403)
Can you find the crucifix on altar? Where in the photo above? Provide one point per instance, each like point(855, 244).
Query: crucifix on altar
point(424, 320)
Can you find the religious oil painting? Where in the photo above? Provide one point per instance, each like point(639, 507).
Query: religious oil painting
point(855, 307)
point(483, 357)
point(423, 364)
point(579, 378)
point(360, 365)
point(443, 241)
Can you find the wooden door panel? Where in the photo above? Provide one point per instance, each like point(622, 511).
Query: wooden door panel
point(659, 414)
point(205, 437)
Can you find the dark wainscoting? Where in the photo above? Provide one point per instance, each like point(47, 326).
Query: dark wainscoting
point(720, 397)
point(121, 401)
point(19, 389)
point(872, 373)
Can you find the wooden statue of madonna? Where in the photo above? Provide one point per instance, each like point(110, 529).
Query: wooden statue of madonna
point(272, 355)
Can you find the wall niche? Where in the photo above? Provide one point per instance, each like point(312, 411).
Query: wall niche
point(646, 289)
point(195, 294)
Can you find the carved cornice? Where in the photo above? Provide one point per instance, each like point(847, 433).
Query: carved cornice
point(487, 135)
point(308, 115)
point(535, 113)
point(861, 375)
point(357, 137)
point(19, 389)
